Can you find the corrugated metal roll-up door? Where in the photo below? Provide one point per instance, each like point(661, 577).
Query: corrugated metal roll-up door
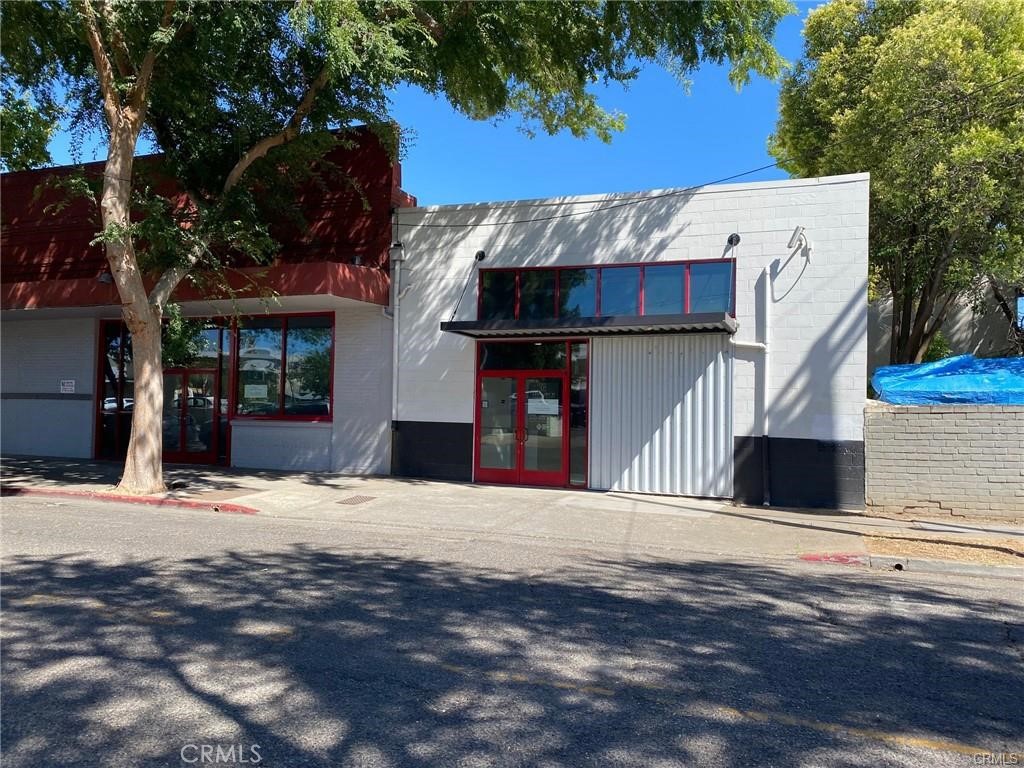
point(661, 414)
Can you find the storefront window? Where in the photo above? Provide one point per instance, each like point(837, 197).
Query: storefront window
point(537, 294)
point(664, 289)
point(614, 290)
point(711, 287)
point(284, 366)
point(577, 295)
point(578, 372)
point(522, 356)
point(308, 373)
point(260, 350)
point(620, 291)
point(498, 295)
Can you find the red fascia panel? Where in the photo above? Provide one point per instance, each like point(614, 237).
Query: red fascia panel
point(349, 221)
point(402, 199)
point(305, 279)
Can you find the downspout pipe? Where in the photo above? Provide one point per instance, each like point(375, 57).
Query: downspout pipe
point(763, 348)
point(398, 291)
point(393, 312)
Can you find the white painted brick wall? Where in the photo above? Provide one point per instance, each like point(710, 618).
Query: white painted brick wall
point(819, 314)
point(34, 356)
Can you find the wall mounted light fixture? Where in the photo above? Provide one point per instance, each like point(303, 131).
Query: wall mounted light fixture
point(799, 239)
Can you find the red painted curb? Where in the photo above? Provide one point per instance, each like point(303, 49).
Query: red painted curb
point(210, 506)
point(836, 558)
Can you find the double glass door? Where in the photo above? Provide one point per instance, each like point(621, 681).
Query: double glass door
point(521, 427)
point(191, 415)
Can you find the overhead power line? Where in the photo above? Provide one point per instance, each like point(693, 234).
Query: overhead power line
point(642, 198)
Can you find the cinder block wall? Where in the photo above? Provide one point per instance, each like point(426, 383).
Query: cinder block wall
point(947, 459)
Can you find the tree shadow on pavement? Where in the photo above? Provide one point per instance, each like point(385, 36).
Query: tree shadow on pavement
point(328, 658)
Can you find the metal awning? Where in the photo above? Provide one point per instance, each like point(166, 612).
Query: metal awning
point(701, 322)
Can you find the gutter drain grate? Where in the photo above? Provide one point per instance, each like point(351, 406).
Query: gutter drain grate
point(357, 500)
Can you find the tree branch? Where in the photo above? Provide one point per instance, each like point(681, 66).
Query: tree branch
point(139, 91)
point(169, 280)
point(111, 100)
point(288, 133)
point(429, 22)
point(122, 59)
point(1015, 334)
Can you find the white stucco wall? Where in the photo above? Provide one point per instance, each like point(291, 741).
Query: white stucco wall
point(981, 331)
point(35, 355)
point(358, 441)
point(819, 309)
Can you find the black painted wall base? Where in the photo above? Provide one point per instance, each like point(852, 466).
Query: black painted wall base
point(803, 473)
point(817, 474)
point(438, 450)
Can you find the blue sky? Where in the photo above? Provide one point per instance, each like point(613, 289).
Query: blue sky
point(672, 139)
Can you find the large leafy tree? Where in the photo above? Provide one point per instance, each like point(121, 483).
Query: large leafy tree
point(241, 98)
point(926, 95)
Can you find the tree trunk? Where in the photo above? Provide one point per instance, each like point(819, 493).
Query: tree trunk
point(143, 472)
point(143, 467)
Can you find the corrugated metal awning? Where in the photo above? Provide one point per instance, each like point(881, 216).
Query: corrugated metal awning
point(703, 322)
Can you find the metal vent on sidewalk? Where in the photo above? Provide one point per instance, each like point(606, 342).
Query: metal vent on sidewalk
point(357, 499)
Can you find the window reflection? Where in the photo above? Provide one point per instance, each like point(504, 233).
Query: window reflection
point(578, 372)
point(537, 294)
point(577, 293)
point(498, 295)
point(711, 287)
point(308, 379)
point(664, 289)
point(522, 356)
point(620, 291)
point(259, 367)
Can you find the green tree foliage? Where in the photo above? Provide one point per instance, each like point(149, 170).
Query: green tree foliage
point(926, 96)
point(242, 97)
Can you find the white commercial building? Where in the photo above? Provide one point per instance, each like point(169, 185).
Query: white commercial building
point(706, 342)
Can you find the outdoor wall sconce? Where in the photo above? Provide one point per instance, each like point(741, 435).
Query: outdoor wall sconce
point(799, 238)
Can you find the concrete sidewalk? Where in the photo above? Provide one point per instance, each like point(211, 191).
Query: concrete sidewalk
point(622, 524)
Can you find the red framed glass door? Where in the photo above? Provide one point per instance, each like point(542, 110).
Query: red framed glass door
point(191, 415)
point(522, 436)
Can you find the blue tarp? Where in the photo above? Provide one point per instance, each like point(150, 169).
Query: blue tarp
point(962, 379)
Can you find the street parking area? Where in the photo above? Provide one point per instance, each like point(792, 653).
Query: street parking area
point(139, 636)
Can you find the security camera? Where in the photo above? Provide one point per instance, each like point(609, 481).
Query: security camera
point(733, 240)
point(795, 238)
point(480, 256)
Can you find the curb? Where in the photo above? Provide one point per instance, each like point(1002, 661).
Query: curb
point(948, 567)
point(835, 558)
point(153, 501)
point(913, 565)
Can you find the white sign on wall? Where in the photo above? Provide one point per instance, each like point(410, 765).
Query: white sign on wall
point(67, 386)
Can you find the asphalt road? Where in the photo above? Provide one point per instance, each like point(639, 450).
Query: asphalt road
point(137, 636)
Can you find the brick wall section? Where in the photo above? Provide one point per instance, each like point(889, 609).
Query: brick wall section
point(951, 459)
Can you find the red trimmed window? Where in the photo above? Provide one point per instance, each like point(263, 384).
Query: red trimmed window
point(284, 367)
point(663, 288)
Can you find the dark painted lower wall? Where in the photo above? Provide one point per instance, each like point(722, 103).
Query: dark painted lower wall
point(438, 450)
point(802, 473)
